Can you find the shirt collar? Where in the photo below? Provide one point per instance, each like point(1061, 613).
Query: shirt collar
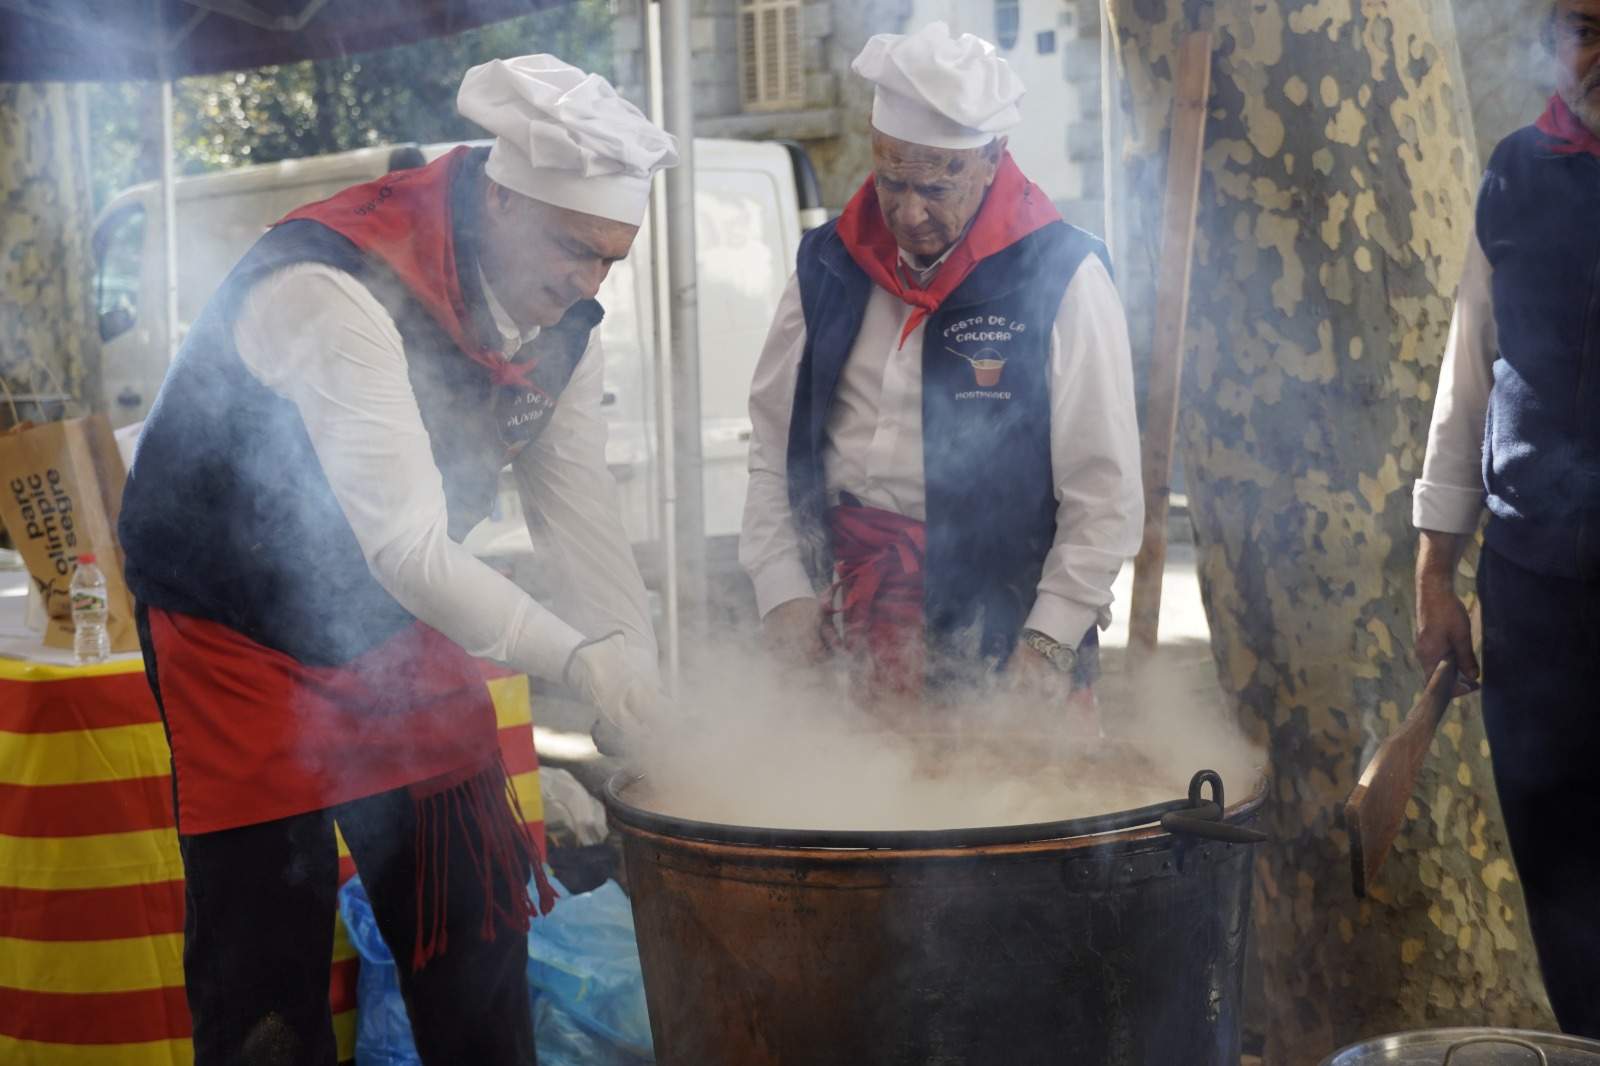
point(511, 337)
point(922, 274)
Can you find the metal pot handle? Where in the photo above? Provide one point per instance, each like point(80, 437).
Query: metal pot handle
point(1544, 1060)
point(1204, 818)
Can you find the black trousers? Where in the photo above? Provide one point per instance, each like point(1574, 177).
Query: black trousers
point(1541, 707)
point(258, 938)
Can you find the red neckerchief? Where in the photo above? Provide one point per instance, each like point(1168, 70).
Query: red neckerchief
point(404, 219)
point(1562, 126)
point(1013, 208)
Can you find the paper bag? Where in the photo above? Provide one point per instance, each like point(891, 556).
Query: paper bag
point(60, 494)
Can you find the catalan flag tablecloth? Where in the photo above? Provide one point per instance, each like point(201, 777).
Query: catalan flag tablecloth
point(91, 884)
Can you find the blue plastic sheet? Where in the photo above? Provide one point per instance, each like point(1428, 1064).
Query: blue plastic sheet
point(583, 965)
point(583, 975)
point(383, 1032)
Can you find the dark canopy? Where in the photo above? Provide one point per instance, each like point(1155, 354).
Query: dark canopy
point(124, 40)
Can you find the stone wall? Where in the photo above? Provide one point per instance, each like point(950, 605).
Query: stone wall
point(833, 121)
point(1085, 149)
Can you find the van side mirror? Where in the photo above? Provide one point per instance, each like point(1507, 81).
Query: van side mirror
point(115, 322)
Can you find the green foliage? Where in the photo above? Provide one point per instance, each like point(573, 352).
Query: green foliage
point(311, 108)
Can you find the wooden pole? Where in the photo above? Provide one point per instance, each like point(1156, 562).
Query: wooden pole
point(1193, 88)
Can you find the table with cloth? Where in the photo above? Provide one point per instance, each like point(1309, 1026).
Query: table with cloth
point(91, 884)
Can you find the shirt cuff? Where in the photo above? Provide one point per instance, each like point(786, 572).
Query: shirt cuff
point(1446, 508)
point(1062, 620)
point(779, 582)
point(541, 643)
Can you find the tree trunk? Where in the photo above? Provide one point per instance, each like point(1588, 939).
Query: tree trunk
point(1334, 218)
point(49, 343)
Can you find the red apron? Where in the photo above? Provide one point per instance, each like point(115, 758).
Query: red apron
point(257, 735)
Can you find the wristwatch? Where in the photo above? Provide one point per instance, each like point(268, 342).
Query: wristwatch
point(1064, 657)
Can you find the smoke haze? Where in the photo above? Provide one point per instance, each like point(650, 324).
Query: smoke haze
point(762, 745)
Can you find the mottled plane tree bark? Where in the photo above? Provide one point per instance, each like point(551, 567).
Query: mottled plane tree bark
point(49, 342)
point(1334, 215)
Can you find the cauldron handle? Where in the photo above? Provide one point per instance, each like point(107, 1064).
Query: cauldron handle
point(1544, 1060)
point(1200, 781)
point(1204, 818)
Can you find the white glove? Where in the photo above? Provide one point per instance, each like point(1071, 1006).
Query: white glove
point(629, 700)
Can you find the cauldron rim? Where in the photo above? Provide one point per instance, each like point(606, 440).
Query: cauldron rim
point(1110, 827)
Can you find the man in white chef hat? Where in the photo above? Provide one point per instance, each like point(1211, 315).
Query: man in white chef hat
point(945, 449)
point(334, 425)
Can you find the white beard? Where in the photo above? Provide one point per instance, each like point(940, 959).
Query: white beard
point(1585, 105)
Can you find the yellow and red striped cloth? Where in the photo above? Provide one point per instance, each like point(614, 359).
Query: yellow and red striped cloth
point(91, 884)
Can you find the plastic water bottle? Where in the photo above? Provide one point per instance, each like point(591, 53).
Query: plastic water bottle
point(90, 641)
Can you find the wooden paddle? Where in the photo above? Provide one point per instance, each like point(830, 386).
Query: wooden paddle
point(1377, 807)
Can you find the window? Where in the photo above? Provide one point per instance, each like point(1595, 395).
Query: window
point(119, 251)
point(1007, 23)
point(1047, 42)
point(771, 66)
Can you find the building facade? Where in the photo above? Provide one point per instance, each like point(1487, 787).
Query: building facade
point(1054, 46)
point(780, 69)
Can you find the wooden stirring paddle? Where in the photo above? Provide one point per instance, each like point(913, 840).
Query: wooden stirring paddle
point(1377, 807)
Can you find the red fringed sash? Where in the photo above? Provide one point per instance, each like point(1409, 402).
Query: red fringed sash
point(502, 851)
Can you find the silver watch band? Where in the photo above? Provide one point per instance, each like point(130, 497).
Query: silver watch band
point(1063, 657)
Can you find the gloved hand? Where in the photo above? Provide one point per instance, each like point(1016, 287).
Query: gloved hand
point(629, 700)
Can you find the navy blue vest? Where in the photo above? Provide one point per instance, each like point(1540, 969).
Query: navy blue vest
point(227, 514)
point(1539, 226)
point(991, 506)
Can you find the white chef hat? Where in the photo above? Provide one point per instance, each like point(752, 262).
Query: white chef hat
point(939, 90)
point(565, 137)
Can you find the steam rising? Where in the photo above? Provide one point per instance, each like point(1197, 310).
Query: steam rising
point(766, 746)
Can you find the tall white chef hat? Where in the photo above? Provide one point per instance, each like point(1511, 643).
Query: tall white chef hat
point(565, 137)
point(940, 90)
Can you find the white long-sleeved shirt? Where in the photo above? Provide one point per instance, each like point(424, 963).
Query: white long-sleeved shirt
point(1448, 497)
point(874, 447)
point(339, 357)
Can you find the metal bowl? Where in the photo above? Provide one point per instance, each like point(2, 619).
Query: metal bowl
point(1470, 1047)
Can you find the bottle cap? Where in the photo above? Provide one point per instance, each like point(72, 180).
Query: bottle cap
point(85, 557)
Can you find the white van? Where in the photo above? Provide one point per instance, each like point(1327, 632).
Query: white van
point(752, 199)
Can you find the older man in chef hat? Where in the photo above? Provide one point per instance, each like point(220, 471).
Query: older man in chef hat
point(334, 425)
point(945, 451)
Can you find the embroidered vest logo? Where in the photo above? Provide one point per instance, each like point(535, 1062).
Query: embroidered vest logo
point(521, 415)
point(993, 333)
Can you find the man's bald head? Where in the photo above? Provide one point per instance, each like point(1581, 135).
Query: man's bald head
point(1572, 33)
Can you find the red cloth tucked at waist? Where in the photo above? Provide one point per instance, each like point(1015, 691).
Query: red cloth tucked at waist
point(257, 735)
point(878, 562)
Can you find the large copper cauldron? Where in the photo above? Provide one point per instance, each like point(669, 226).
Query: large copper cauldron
point(1108, 941)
